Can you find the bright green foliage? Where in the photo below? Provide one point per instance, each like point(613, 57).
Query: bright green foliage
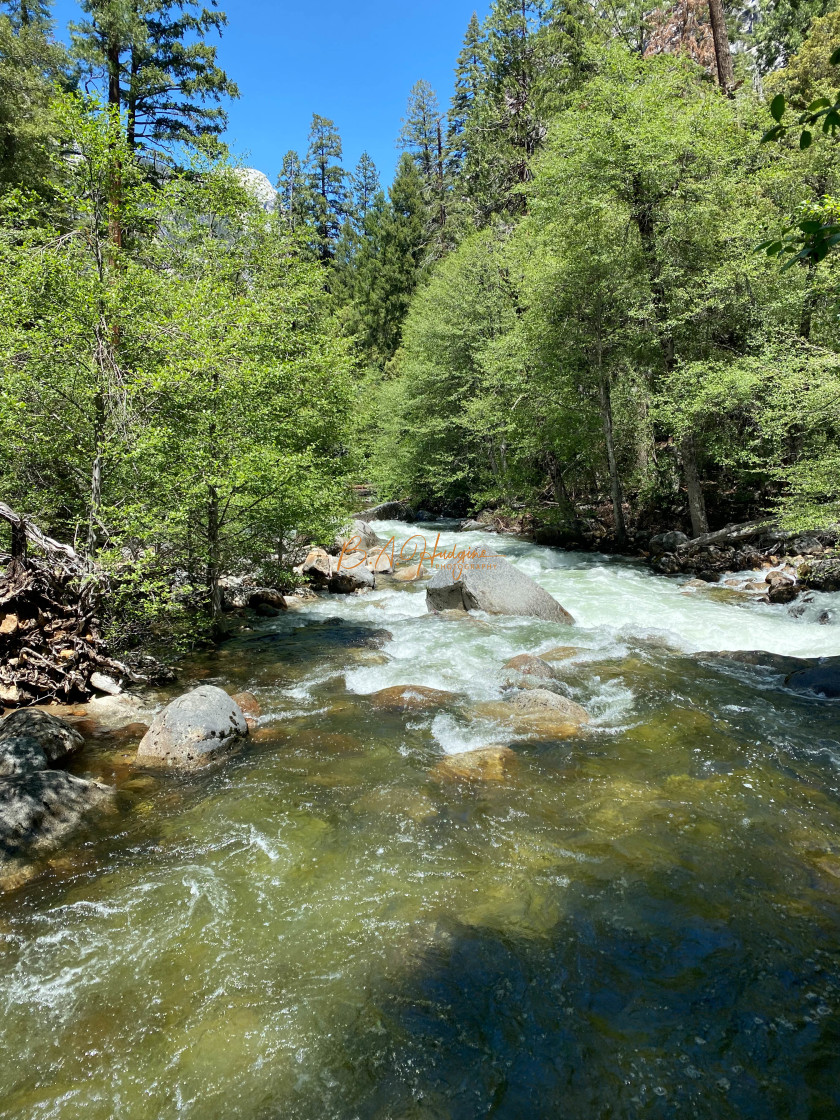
point(325, 181)
point(158, 66)
point(179, 403)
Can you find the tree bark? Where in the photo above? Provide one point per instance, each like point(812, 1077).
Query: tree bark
point(723, 53)
point(696, 501)
point(615, 482)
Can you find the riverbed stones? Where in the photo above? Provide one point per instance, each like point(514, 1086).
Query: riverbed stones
point(536, 712)
point(194, 729)
point(250, 707)
point(411, 698)
point(317, 567)
point(559, 653)
point(487, 582)
point(489, 764)
point(352, 575)
point(359, 534)
point(410, 573)
point(528, 665)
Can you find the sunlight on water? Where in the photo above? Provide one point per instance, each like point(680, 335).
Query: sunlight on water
point(640, 920)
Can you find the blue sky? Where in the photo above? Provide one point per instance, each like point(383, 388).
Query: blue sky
point(354, 62)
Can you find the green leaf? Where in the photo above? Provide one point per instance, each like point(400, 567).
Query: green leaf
point(820, 103)
point(764, 245)
point(777, 107)
point(805, 140)
point(774, 248)
point(835, 58)
point(773, 133)
point(810, 227)
point(832, 121)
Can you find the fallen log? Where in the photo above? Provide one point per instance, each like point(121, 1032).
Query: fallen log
point(732, 534)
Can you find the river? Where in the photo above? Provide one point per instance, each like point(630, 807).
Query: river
point(640, 921)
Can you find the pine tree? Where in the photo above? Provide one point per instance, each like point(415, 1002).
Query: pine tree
point(325, 179)
point(420, 133)
point(292, 190)
point(364, 187)
point(31, 66)
point(158, 66)
point(30, 13)
point(387, 262)
point(469, 79)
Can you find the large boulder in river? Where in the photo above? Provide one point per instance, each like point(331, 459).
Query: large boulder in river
point(194, 729)
point(33, 740)
point(487, 582)
point(39, 810)
point(358, 535)
point(389, 511)
point(39, 807)
point(351, 573)
point(411, 698)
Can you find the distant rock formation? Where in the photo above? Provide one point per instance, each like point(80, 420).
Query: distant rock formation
point(259, 186)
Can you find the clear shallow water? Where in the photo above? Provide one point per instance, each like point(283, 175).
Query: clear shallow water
point(642, 921)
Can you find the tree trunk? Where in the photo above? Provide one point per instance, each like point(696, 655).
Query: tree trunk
point(723, 53)
point(643, 217)
point(214, 554)
point(94, 537)
point(605, 398)
point(696, 501)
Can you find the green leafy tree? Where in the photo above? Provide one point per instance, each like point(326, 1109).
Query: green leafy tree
point(293, 192)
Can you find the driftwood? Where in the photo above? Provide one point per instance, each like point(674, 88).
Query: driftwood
point(50, 645)
point(732, 534)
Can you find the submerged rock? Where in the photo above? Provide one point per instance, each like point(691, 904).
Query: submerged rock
point(821, 679)
point(193, 729)
point(530, 666)
point(538, 713)
point(410, 698)
point(489, 764)
point(250, 707)
point(487, 582)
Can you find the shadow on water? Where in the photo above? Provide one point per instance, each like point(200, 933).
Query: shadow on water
point(633, 1005)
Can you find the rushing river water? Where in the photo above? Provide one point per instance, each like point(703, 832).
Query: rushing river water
point(640, 921)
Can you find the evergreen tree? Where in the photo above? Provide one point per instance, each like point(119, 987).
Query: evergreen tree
point(386, 263)
point(292, 191)
point(776, 29)
point(30, 13)
point(364, 187)
point(469, 79)
point(158, 66)
point(31, 65)
point(421, 133)
point(325, 180)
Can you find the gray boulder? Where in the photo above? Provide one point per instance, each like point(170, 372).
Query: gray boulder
point(352, 575)
point(486, 582)
point(32, 740)
point(390, 511)
point(667, 542)
point(359, 534)
point(193, 729)
point(38, 811)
